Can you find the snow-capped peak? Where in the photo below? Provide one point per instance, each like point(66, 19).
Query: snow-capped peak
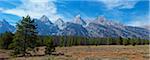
point(45, 19)
point(78, 16)
point(60, 23)
point(79, 20)
point(101, 19)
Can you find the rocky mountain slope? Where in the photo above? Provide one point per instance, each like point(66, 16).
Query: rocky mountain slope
point(100, 27)
point(5, 26)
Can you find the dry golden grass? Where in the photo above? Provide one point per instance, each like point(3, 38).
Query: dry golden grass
point(139, 52)
point(102, 52)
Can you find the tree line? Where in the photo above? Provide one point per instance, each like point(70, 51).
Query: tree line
point(64, 41)
point(26, 38)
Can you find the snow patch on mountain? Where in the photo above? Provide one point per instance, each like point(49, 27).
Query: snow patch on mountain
point(60, 23)
point(79, 20)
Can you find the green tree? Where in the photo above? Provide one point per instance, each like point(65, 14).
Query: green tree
point(62, 41)
point(25, 36)
point(146, 42)
point(5, 40)
point(119, 41)
point(125, 41)
point(40, 41)
point(133, 41)
point(48, 41)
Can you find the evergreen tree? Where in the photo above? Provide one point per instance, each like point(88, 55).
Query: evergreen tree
point(5, 40)
point(133, 41)
point(119, 41)
point(25, 36)
point(49, 44)
point(62, 41)
point(125, 41)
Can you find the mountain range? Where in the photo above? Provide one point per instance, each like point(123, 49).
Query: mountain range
point(100, 27)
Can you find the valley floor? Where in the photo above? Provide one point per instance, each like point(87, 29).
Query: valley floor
point(102, 52)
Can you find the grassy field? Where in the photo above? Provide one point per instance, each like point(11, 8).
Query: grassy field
point(103, 52)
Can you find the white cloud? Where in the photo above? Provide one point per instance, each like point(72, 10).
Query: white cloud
point(140, 22)
point(36, 8)
point(110, 4)
point(1, 9)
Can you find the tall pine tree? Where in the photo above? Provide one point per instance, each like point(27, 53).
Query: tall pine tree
point(25, 36)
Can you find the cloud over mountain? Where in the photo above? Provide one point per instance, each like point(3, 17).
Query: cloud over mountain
point(110, 4)
point(35, 8)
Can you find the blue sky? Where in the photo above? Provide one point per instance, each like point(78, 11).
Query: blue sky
point(128, 12)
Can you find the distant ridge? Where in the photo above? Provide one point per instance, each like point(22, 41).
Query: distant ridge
point(100, 27)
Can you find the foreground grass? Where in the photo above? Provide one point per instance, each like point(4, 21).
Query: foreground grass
point(102, 52)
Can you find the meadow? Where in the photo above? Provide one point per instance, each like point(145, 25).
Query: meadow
point(102, 52)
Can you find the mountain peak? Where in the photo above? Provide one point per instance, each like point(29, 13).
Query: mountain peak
point(79, 20)
point(78, 16)
point(45, 19)
point(101, 19)
point(59, 21)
